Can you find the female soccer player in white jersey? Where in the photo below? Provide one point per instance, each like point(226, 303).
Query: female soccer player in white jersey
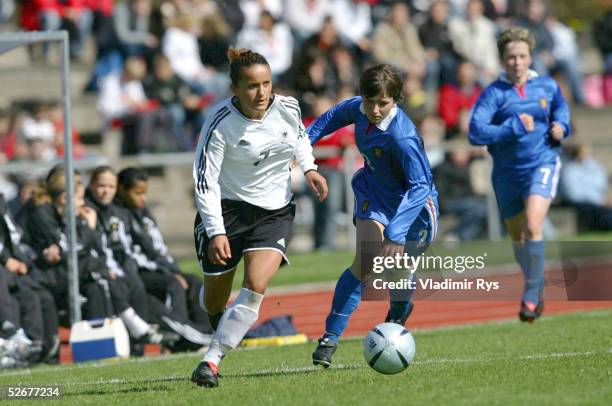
point(244, 199)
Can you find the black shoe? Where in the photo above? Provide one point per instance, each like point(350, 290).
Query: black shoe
point(401, 321)
point(324, 352)
point(529, 312)
point(206, 374)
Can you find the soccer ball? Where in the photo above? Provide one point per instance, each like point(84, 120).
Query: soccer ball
point(389, 348)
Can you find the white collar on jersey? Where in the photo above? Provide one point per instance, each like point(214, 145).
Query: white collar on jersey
point(386, 122)
point(532, 74)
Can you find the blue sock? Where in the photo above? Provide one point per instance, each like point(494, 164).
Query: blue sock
point(400, 300)
point(346, 299)
point(519, 254)
point(535, 253)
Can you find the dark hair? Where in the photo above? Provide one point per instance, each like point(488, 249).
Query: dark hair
point(95, 174)
point(515, 34)
point(381, 78)
point(128, 177)
point(243, 58)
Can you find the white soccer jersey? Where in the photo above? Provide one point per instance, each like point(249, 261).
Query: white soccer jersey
point(248, 160)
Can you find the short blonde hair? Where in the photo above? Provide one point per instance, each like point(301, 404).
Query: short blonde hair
point(515, 34)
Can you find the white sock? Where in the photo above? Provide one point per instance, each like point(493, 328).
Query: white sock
point(236, 321)
point(134, 323)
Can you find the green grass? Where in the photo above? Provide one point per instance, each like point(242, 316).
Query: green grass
point(558, 360)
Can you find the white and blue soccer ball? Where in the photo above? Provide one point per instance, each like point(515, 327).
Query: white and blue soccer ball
point(389, 348)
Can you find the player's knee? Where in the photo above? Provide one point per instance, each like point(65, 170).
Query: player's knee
point(533, 229)
point(256, 286)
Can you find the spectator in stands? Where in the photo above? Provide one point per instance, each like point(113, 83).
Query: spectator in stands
point(353, 19)
point(42, 322)
point(146, 127)
point(602, 32)
point(584, 186)
point(314, 75)
point(232, 13)
point(431, 129)
point(534, 19)
point(214, 42)
point(415, 99)
point(567, 56)
point(162, 276)
point(131, 24)
point(441, 56)
point(396, 41)
point(56, 116)
point(457, 196)
point(114, 225)
point(174, 95)
point(251, 9)
point(108, 55)
point(16, 348)
point(456, 101)
point(52, 15)
point(474, 38)
point(37, 134)
point(273, 40)
point(302, 27)
point(332, 168)
point(8, 138)
point(47, 233)
point(180, 45)
point(346, 69)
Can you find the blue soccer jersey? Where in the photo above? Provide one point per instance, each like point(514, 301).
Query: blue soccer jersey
point(395, 185)
point(524, 163)
point(495, 123)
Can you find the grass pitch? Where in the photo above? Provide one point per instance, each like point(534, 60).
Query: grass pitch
point(558, 360)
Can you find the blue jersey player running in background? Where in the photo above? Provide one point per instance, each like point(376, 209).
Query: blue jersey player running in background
point(522, 119)
point(395, 198)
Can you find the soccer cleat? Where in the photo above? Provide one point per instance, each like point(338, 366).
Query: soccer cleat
point(528, 312)
point(401, 321)
point(206, 374)
point(324, 352)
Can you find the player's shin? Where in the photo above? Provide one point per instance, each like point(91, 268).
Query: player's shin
point(234, 324)
point(401, 303)
point(347, 296)
point(535, 253)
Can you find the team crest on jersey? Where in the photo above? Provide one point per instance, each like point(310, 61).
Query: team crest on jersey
point(378, 152)
point(284, 137)
point(364, 206)
point(543, 103)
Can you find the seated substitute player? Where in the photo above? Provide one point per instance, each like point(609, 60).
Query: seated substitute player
point(244, 199)
point(396, 203)
point(522, 119)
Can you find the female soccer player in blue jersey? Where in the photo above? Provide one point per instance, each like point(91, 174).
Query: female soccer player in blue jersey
point(395, 198)
point(522, 119)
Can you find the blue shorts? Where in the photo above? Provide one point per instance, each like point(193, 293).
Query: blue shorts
point(370, 206)
point(511, 190)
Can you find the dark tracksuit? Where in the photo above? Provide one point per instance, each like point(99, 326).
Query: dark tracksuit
point(39, 313)
point(111, 225)
point(114, 223)
point(158, 269)
point(9, 308)
point(105, 297)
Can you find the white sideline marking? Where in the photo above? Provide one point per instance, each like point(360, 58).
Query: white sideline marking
point(280, 371)
point(143, 360)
